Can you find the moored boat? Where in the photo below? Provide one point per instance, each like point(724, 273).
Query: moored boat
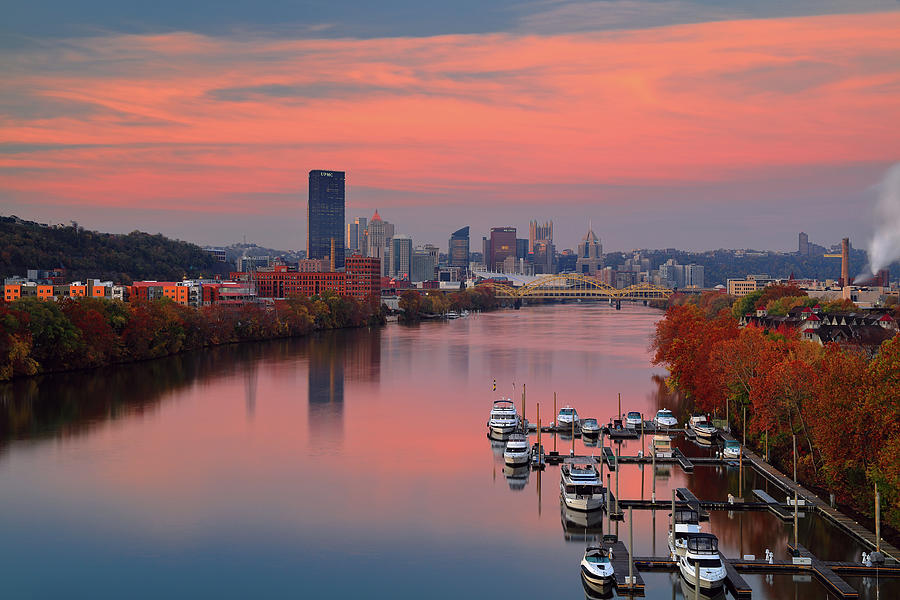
point(732, 449)
point(517, 451)
point(504, 419)
point(566, 417)
point(687, 522)
point(634, 420)
point(665, 419)
point(703, 551)
point(590, 428)
point(580, 487)
point(702, 427)
point(596, 568)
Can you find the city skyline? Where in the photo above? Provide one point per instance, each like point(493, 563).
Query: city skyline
point(634, 118)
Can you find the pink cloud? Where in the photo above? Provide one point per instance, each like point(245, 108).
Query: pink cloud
point(186, 121)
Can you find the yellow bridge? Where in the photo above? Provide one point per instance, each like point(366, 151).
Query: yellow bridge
point(575, 285)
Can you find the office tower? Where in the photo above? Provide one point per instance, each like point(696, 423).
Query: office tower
point(378, 236)
point(486, 253)
point(423, 264)
point(803, 244)
point(401, 256)
point(522, 249)
point(325, 215)
point(539, 232)
point(503, 245)
point(693, 275)
point(590, 254)
point(356, 235)
point(459, 248)
point(353, 237)
point(544, 257)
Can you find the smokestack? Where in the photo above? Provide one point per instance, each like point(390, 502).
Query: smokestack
point(845, 262)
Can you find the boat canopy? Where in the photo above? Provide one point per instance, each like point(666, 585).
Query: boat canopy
point(686, 515)
point(703, 543)
point(732, 444)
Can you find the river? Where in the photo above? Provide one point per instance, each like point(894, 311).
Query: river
point(347, 464)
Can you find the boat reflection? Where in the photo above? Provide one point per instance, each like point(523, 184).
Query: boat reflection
point(516, 477)
point(592, 594)
point(688, 591)
point(579, 525)
point(498, 444)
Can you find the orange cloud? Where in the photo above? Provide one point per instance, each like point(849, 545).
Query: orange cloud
point(184, 121)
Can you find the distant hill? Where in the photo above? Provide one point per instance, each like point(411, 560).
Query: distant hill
point(91, 254)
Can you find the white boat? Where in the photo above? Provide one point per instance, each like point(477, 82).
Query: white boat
point(596, 568)
point(634, 420)
point(702, 549)
point(504, 418)
point(732, 449)
point(687, 522)
point(567, 415)
point(703, 428)
point(661, 446)
point(590, 427)
point(517, 452)
point(664, 419)
point(580, 486)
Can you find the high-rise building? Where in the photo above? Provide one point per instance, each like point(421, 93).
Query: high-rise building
point(423, 264)
point(378, 237)
point(356, 236)
point(486, 253)
point(353, 237)
point(543, 256)
point(803, 244)
point(590, 254)
point(503, 245)
point(401, 256)
point(522, 250)
point(325, 215)
point(459, 248)
point(539, 232)
point(693, 276)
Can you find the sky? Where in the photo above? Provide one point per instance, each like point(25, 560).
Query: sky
point(673, 123)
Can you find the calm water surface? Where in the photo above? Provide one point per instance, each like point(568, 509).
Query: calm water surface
point(353, 463)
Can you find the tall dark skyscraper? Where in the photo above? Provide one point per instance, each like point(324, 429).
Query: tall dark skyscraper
point(459, 248)
point(325, 215)
point(503, 245)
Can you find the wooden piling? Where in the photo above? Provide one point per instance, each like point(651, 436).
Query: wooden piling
point(796, 524)
point(608, 497)
point(877, 519)
point(555, 419)
point(653, 475)
point(630, 547)
point(617, 478)
point(697, 580)
point(573, 436)
point(523, 410)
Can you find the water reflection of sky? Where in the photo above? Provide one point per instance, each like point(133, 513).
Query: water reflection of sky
point(284, 467)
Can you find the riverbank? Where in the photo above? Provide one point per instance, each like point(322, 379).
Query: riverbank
point(38, 337)
point(837, 401)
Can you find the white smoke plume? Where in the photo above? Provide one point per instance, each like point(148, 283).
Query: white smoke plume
point(885, 245)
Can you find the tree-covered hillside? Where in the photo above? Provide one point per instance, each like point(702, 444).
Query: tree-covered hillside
point(90, 254)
